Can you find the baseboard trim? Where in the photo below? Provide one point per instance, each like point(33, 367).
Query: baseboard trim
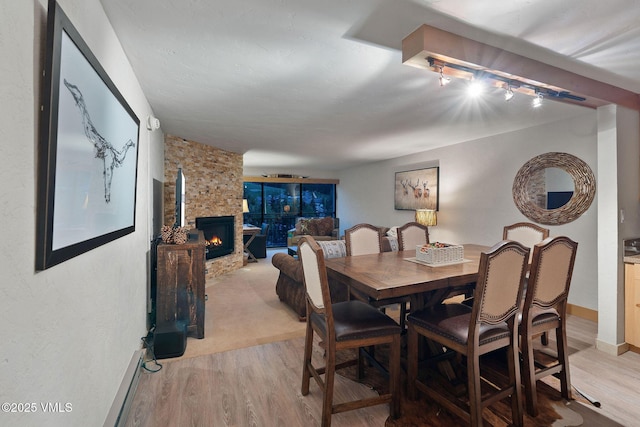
point(582, 312)
point(119, 411)
point(633, 348)
point(612, 349)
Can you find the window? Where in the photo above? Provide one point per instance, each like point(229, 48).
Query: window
point(280, 204)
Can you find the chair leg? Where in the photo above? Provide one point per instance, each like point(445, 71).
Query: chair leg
point(475, 394)
point(412, 361)
point(529, 376)
point(563, 357)
point(361, 358)
point(403, 314)
point(329, 377)
point(544, 339)
point(514, 379)
point(306, 374)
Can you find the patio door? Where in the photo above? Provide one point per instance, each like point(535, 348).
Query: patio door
point(280, 204)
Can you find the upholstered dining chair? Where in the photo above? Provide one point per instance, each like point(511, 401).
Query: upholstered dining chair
point(343, 325)
point(526, 233)
point(365, 239)
point(545, 309)
point(411, 235)
point(491, 324)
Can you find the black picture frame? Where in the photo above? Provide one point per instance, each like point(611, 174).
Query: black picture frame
point(88, 151)
point(417, 189)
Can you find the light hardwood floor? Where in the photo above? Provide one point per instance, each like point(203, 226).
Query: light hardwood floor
point(243, 310)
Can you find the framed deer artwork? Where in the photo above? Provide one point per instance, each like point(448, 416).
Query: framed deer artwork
point(417, 189)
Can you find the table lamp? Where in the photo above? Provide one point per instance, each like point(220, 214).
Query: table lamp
point(426, 217)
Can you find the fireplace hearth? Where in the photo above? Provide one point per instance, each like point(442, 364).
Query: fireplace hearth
point(219, 232)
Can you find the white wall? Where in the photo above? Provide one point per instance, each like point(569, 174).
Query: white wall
point(69, 332)
point(476, 201)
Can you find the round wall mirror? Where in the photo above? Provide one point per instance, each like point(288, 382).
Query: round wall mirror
point(554, 188)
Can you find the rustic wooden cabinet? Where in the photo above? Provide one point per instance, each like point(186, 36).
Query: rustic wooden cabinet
point(180, 284)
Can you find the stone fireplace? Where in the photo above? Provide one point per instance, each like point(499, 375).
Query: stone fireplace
point(219, 232)
point(213, 188)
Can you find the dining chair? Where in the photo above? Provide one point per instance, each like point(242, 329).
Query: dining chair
point(366, 239)
point(545, 309)
point(363, 239)
point(411, 235)
point(491, 324)
point(526, 233)
point(340, 326)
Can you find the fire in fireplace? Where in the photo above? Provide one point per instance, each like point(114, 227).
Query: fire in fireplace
point(219, 233)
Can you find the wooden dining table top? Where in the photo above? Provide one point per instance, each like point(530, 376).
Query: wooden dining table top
point(389, 274)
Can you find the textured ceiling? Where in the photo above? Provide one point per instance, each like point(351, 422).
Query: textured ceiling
point(321, 84)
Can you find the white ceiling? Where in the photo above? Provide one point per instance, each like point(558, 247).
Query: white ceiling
point(321, 84)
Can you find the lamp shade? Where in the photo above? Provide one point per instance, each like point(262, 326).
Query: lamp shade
point(426, 217)
point(245, 206)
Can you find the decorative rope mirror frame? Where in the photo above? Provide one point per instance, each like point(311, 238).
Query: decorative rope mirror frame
point(584, 188)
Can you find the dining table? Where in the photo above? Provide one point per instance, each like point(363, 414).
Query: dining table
point(398, 273)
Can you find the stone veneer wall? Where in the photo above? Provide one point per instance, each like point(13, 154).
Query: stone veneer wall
point(213, 188)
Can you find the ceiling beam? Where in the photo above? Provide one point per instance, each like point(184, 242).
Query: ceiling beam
point(442, 45)
point(299, 180)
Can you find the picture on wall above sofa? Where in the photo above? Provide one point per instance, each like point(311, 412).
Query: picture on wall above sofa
point(417, 189)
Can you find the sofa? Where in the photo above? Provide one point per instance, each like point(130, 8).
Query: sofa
point(321, 229)
point(290, 287)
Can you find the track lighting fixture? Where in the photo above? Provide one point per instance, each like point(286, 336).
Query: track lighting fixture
point(537, 101)
point(444, 80)
point(431, 48)
point(508, 95)
point(510, 83)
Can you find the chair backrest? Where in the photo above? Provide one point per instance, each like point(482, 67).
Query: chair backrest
point(411, 235)
point(314, 274)
point(363, 239)
point(527, 233)
point(500, 283)
point(551, 271)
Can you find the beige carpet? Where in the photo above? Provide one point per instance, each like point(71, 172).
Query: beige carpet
point(243, 310)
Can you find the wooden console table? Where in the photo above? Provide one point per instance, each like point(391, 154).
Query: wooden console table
point(180, 284)
point(250, 230)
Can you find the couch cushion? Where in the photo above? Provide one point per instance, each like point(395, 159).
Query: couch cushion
point(324, 226)
point(393, 243)
point(306, 226)
point(333, 248)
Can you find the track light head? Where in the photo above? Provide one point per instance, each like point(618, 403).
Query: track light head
point(444, 80)
point(476, 88)
point(537, 101)
point(508, 95)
